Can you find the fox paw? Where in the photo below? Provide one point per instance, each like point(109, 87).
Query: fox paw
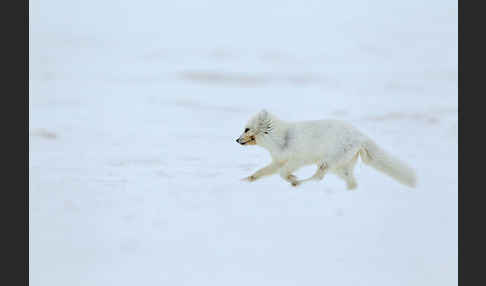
point(295, 183)
point(352, 186)
point(292, 178)
point(250, 179)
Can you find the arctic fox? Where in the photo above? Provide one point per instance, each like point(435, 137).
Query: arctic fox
point(332, 145)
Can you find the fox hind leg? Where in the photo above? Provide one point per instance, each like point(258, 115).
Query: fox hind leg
point(319, 174)
point(346, 172)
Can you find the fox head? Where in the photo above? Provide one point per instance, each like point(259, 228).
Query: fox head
point(257, 127)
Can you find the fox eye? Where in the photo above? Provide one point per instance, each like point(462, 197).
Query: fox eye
point(247, 129)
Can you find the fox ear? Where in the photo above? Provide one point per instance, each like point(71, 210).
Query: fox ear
point(264, 121)
point(263, 114)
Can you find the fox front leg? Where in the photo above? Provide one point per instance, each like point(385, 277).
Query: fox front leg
point(286, 172)
point(265, 171)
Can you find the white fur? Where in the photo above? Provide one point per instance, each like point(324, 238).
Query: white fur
point(332, 145)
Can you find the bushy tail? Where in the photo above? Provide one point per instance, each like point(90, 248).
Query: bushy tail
point(376, 157)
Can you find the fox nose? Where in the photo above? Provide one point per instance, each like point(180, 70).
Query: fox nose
point(238, 140)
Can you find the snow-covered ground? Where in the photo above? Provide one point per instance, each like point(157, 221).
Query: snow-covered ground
point(135, 174)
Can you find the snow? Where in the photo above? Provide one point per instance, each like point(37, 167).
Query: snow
point(135, 173)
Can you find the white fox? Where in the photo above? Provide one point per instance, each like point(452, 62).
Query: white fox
point(330, 144)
